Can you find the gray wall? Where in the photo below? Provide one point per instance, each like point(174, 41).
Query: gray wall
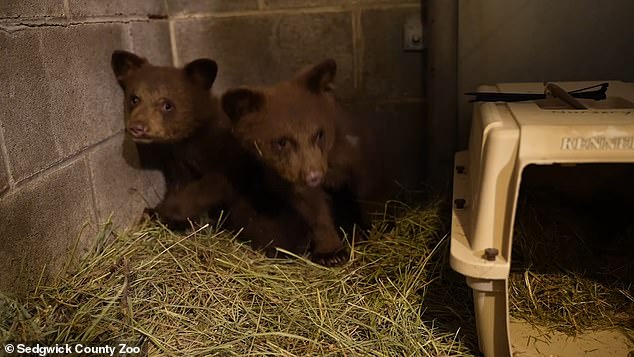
point(62, 164)
point(65, 166)
point(262, 42)
point(541, 40)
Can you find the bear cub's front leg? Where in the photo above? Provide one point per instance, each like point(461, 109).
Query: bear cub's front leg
point(314, 206)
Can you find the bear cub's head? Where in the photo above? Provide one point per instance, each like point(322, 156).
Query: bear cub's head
point(163, 104)
point(291, 125)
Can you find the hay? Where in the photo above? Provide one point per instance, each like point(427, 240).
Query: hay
point(205, 293)
point(567, 275)
point(569, 303)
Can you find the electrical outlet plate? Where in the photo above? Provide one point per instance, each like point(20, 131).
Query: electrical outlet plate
point(413, 34)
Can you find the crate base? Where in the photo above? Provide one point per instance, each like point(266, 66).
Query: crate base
point(528, 340)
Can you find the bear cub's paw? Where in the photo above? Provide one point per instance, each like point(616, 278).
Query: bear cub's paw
point(148, 215)
point(153, 215)
point(337, 258)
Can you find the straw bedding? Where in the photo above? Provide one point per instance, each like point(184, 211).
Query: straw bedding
point(205, 293)
point(572, 264)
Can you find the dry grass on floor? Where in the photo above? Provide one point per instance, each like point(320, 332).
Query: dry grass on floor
point(572, 266)
point(205, 293)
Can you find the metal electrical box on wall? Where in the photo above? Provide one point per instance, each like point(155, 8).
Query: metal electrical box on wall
point(413, 34)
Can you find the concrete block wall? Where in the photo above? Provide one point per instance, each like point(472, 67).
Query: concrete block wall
point(260, 42)
point(64, 168)
point(65, 163)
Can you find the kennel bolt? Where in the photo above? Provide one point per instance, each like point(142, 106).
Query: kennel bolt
point(460, 169)
point(459, 203)
point(490, 254)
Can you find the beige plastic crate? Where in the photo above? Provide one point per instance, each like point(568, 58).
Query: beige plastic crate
point(505, 138)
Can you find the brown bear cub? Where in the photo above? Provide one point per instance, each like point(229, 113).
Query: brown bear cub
point(172, 112)
point(297, 129)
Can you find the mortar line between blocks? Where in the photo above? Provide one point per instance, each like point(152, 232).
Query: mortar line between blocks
point(15, 26)
point(130, 39)
point(67, 9)
point(175, 58)
point(172, 36)
point(357, 48)
point(66, 160)
point(93, 190)
point(292, 11)
point(264, 12)
point(5, 157)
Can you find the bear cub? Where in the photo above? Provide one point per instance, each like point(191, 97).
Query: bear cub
point(297, 129)
point(173, 112)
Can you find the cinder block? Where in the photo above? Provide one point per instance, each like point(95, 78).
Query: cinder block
point(25, 102)
point(266, 49)
point(280, 4)
point(26, 9)
point(388, 71)
point(122, 188)
point(85, 102)
point(152, 40)
point(400, 133)
point(187, 7)
point(61, 94)
point(145, 8)
point(41, 223)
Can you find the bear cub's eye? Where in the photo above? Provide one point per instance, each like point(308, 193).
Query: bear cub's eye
point(134, 100)
point(281, 143)
point(167, 106)
point(319, 135)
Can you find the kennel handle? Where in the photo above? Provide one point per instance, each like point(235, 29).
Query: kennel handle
point(598, 94)
point(555, 91)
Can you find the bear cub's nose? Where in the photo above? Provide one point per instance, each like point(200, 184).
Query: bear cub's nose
point(313, 178)
point(137, 130)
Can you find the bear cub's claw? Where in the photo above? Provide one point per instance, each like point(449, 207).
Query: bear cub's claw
point(152, 215)
point(332, 259)
point(148, 215)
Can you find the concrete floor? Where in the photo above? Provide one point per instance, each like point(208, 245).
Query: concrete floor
point(528, 341)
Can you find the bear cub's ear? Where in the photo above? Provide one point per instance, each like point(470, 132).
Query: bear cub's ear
point(241, 101)
point(123, 63)
point(320, 78)
point(202, 72)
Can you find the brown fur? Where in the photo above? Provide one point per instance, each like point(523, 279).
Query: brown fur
point(205, 167)
point(291, 126)
point(184, 133)
point(298, 130)
point(285, 131)
point(296, 111)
